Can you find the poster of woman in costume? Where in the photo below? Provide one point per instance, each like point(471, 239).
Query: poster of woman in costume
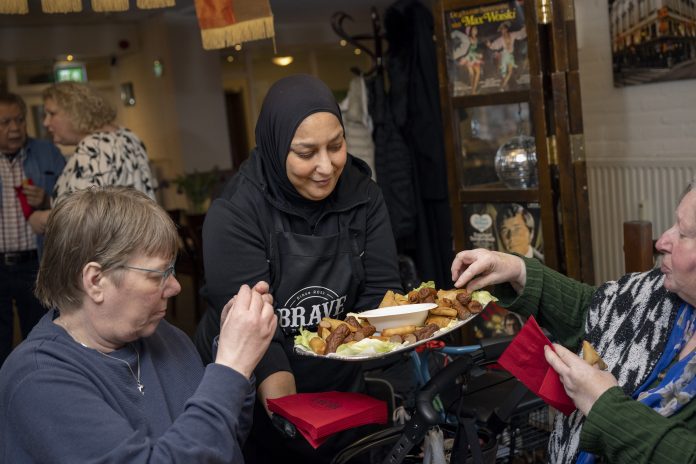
point(487, 49)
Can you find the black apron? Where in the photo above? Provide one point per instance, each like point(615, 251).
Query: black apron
point(314, 277)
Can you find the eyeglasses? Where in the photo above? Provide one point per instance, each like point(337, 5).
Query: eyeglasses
point(165, 274)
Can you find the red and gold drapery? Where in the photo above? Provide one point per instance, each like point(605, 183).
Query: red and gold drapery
point(225, 23)
point(75, 6)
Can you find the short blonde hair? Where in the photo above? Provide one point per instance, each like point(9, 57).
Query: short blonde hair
point(107, 225)
point(87, 109)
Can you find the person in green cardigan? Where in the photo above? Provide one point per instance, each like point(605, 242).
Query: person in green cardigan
point(643, 325)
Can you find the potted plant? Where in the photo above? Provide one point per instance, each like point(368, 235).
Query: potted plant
point(197, 186)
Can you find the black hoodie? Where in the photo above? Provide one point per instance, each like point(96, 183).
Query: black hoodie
point(239, 229)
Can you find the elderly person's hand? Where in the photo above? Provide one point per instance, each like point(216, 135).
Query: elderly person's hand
point(38, 220)
point(582, 382)
point(36, 196)
point(479, 268)
point(248, 324)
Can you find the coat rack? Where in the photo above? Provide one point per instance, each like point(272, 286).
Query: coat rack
point(375, 39)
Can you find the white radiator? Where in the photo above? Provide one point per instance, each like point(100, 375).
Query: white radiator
point(623, 190)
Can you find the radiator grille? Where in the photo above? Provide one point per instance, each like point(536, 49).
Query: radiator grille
point(626, 191)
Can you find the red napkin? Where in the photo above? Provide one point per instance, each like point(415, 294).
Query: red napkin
point(524, 359)
point(26, 208)
point(318, 415)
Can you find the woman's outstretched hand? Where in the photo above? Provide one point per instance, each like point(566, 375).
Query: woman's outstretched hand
point(480, 268)
point(582, 382)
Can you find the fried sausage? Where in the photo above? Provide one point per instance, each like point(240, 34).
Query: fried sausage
point(427, 295)
point(336, 338)
point(396, 339)
point(353, 322)
point(463, 298)
point(367, 330)
point(410, 338)
point(474, 307)
point(426, 332)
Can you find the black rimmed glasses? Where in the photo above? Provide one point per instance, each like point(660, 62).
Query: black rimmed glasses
point(165, 274)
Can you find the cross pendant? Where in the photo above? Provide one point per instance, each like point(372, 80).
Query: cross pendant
point(141, 388)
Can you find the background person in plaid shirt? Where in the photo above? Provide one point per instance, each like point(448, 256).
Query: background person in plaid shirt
point(28, 169)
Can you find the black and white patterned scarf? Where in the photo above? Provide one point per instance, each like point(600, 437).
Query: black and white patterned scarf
point(628, 323)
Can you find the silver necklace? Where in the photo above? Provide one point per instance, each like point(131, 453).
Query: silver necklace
point(141, 387)
point(139, 384)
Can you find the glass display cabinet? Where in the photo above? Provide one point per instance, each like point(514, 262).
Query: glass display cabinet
point(510, 95)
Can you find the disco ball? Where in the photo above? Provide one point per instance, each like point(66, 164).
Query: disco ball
point(516, 163)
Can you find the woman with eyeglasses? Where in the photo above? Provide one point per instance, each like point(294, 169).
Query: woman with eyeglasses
point(102, 377)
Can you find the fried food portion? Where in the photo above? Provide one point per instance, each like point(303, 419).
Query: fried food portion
point(403, 330)
point(591, 357)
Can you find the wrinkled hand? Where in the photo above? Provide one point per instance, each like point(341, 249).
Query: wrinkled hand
point(38, 220)
point(582, 382)
point(480, 268)
point(247, 326)
point(36, 196)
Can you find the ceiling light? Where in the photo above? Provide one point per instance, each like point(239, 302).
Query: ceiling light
point(343, 43)
point(238, 47)
point(69, 57)
point(357, 51)
point(282, 60)
point(230, 58)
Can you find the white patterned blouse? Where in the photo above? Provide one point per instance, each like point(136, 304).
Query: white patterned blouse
point(107, 158)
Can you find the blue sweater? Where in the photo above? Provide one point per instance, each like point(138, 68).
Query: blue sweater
point(62, 402)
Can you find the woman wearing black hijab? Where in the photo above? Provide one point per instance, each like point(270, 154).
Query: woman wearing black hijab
point(303, 215)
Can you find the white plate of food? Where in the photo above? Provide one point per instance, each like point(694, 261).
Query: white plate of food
point(371, 348)
point(401, 323)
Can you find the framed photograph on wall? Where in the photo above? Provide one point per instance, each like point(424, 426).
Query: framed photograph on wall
point(487, 49)
point(652, 41)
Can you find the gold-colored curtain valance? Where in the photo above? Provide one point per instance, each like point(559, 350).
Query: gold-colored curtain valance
point(225, 23)
point(75, 6)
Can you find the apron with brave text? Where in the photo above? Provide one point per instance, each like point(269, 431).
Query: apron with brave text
point(314, 277)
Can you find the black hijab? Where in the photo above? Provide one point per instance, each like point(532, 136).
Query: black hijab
point(288, 102)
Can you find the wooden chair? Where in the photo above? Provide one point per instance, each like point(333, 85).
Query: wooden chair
point(639, 246)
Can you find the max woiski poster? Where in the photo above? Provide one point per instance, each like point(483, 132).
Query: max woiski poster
point(487, 49)
point(510, 227)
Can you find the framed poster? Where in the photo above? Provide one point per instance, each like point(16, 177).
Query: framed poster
point(486, 49)
point(652, 41)
point(495, 321)
point(508, 227)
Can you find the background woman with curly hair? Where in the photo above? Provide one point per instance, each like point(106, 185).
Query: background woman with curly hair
point(105, 153)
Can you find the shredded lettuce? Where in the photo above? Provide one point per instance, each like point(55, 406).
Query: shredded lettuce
point(366, 347)
point(483, 297)
point(430, 283)
point(304, 337)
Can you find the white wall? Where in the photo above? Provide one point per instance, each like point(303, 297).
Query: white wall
point(645, 124)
